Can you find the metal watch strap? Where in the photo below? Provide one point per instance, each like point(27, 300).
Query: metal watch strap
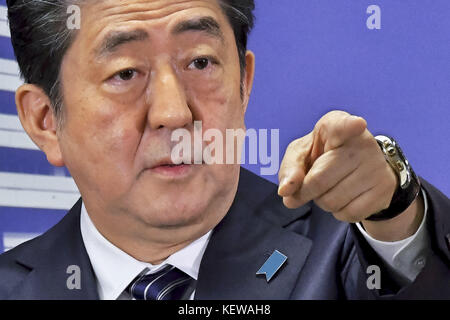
point(403, 197)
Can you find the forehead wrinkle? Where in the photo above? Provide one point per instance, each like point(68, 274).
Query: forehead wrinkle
point(115, 39)
point(146, 10)
point(114, 15)
point(206, 24)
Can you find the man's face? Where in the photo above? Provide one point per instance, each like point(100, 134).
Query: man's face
point(137, 71)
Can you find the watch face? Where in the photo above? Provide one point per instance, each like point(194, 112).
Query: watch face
point(396, 159)
point(409, 183)
point(402, 157)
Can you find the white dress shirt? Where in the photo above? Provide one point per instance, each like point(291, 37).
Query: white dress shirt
point(407, 257)
point(115, 269)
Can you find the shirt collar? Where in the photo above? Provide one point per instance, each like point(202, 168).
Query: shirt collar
point(115, 269)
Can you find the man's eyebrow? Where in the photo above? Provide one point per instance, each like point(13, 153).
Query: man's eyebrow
point(205, 24)
point(115, 39)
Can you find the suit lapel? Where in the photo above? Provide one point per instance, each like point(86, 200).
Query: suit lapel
point(240, 245)
point(60, 248)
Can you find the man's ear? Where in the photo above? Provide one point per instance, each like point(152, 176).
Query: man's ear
point(38, 120)
point(248, 77)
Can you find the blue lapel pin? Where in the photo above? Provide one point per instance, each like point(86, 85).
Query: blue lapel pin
point(272, 265)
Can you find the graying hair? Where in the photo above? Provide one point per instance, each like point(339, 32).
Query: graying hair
point(40, 38)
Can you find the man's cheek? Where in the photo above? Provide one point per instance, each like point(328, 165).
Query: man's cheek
point(106, 125)
point(107, 148)
point(123, 138)
point(213, 93)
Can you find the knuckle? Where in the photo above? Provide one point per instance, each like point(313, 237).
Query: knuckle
point(328, 203)
point(340, 215)
point(348, 214)
point(334, 115)
point(293, 144)
point(330, 117)
point(318, 127)
point(297, 147)
point(337, 114)
point(334, 207)
point(316, 185)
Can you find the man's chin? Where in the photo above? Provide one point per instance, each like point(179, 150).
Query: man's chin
point(174, 217)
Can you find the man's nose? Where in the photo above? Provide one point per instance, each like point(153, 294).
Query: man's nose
point(168, 105)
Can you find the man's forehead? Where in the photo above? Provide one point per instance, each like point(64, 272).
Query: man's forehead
point(95, 12)
point(103, 19)
point(203, 24)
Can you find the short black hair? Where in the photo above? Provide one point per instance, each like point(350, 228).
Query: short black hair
point(40, 39)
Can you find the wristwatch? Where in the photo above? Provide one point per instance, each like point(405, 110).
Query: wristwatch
point(409, 184)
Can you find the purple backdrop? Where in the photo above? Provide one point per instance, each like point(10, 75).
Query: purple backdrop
point(314, 56)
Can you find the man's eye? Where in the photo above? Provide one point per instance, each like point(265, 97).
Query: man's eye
point(125, 75)
point(199, 64)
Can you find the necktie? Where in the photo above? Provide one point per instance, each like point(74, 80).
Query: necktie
point(169, 283)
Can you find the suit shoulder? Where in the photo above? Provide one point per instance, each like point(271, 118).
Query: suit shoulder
point(10, 256)
point(16, 263)
point(40, 244)
point(12, 271)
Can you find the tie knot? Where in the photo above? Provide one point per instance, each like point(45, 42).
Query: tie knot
point(169, 283)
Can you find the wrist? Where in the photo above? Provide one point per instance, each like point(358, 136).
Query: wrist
point(400, 227)
point(408, 186)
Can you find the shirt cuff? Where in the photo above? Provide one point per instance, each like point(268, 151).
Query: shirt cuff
point(407, 257)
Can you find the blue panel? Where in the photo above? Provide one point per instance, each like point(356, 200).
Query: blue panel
point(6, 49)
point(7, 102)
point(28, 161)
point(28, 220)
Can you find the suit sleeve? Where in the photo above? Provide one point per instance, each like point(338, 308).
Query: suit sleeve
point(433, 282)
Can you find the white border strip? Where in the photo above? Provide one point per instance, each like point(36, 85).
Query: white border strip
point(9, 66)
point(37, 182)
point(10, 122)
point(10, 82)
point(3, 13)
point(9, 74)
point(16, 139)
point(37, 191)
point(13, 239)
point(12, 134)
point(37, 199)
point(4, 27)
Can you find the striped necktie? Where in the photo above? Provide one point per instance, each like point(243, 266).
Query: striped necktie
point(169, 283)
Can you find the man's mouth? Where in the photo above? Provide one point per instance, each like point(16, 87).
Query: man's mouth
point(171, 165)
point(168, 163)
point(167, 168)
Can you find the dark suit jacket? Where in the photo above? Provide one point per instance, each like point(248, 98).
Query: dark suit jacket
point(327, 259)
